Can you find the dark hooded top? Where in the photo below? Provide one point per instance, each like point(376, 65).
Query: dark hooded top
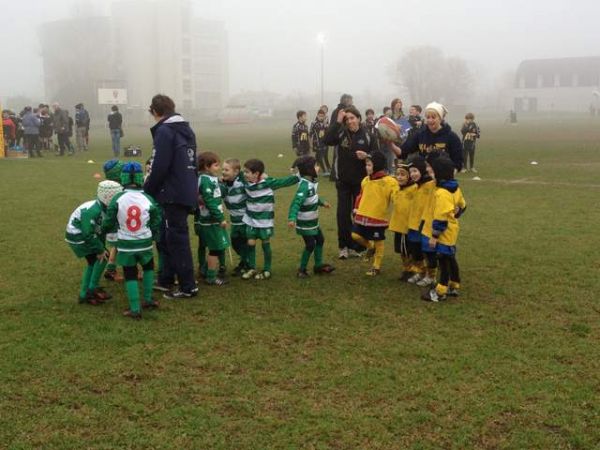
point(444, 140)
point(173, 177)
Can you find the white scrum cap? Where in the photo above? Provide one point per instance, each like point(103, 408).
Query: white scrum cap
point(107, 190)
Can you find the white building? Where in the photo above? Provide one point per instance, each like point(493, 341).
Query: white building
point(144, 46)
point(565, 84)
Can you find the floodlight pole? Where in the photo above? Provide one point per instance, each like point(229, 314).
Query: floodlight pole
point(321, 40)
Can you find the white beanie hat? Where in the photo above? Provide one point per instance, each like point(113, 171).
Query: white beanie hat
point(107, 189)
point(438, 108)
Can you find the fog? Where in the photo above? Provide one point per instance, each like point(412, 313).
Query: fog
point(273, 45)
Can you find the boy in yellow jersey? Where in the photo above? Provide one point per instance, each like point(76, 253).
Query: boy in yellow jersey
point(429, 256)
point(372, 206)
point(425, 187)
point(449, 204)
point(402, 201)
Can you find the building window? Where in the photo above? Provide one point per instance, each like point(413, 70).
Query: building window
point(186, 46)
point(186, 66)
point(187, 87)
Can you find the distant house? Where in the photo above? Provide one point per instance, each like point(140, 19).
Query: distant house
point(564, 84)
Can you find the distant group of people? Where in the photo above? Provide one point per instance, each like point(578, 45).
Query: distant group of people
point(33, 129)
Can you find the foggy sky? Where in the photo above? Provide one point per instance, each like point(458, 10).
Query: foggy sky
point(273, 44)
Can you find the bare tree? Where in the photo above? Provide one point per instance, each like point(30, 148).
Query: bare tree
point(429, 75)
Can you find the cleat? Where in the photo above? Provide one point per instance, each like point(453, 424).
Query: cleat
point(132, 315)
point(216, 282)
point(431, 295)
point(373, 272)
point(264, 275)
point(302, 273)
point(153, 304)
point(425, 282)
point(325, 268)
point(178, 294)
point(162, 288)
point(100, 294)
point(452, 292)
point(415, 278)
point(249, 274)
point(343, 253)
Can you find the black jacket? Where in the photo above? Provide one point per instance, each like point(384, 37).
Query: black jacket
point(173, 177)
point(349, 168)
point(115, 120)
point(445, 140)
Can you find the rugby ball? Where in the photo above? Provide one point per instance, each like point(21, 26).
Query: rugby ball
point(388, 130)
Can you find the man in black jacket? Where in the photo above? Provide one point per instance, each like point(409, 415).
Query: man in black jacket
point(173, 182)
point(346, 101)
point(353, 144)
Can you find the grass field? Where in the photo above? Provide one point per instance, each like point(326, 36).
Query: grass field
point(344, 362)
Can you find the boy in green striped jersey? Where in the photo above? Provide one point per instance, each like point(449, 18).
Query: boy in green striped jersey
point(138, 219)
point(304, 216)
point(86, 239)
point(210, 224)
point(260, 214)
point(112, 171)
point(234, 196)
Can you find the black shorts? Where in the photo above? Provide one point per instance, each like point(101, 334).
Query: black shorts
point(370, 233)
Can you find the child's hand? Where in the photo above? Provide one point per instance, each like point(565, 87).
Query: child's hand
point(223, 224)
point(327, 205)
point(291, 224)
point(360, 154)
point(432, 242)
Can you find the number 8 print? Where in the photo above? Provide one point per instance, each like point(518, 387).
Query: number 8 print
point(133, 221)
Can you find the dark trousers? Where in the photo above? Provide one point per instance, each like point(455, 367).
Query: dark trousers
point(174, 248)
point(448, 269)
point(32, 143)
point(414, 250)
point(63, 142)
point(468, 152)
point(322, 154)
point(346, 195)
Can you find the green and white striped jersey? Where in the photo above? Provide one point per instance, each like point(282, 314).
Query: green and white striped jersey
point(138, 218)
point(234, 195)
point(304, 209)
point(84, 225)
point(260, 204)
point(210, 207)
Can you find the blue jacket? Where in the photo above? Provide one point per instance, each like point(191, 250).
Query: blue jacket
point(445, 140)
point(173, 177)
point(31, 123)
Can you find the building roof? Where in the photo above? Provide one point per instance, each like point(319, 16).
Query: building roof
point(586, 68)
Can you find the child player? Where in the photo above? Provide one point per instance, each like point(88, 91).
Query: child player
point(260, 214)
point(317, 132)
point(470, 133)
point(425, 225)
point(449, 204)
point(138, 219)
point(402, 201)
point(300, 142)
point(85, 238)
point(372, 205)
point(304, 216)
point(425, 186)
point(211, 220)
point(112, 171)
point(234, 196)
point(414, 119)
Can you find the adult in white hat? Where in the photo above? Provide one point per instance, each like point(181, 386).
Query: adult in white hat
point(437, 136)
